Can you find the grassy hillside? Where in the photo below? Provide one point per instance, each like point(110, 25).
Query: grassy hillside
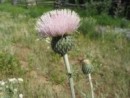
point(24, 54)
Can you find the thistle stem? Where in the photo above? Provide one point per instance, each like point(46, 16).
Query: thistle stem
point(70, 75)
point(91, 85)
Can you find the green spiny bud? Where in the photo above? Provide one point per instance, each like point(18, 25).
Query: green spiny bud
point(62, 45)
point(87, 66)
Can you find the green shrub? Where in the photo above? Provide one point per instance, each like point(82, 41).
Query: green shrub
point(38, 11)
point(11, 88)
point(98, 7)
point(124, 23)
point(105, 20)
point(88, 25)
point(35, 12)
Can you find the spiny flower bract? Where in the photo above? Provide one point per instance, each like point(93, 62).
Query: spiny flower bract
point(58, 23)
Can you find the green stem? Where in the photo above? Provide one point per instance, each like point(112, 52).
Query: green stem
point(70, 75)
point(91, 85)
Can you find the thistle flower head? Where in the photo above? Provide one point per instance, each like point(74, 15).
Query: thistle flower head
point(58, 23)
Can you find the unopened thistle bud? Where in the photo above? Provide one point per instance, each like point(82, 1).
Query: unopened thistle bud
point(87, 67)
point(62, 45)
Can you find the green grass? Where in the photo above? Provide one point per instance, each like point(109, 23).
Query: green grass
point(44, 72)
point(31, 11)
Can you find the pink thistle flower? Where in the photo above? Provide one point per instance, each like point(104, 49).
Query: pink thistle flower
point(58, 23)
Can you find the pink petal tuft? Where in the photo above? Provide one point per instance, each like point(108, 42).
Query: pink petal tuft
point(58, 23)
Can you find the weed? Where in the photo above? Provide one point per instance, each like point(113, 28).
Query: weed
point(11, 88)
point(9, 64)
point(44, 69)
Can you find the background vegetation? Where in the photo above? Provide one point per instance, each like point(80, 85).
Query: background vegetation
point(101, 38)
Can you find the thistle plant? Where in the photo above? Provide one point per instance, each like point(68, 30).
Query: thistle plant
point(60, 25)
point(87, 69)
